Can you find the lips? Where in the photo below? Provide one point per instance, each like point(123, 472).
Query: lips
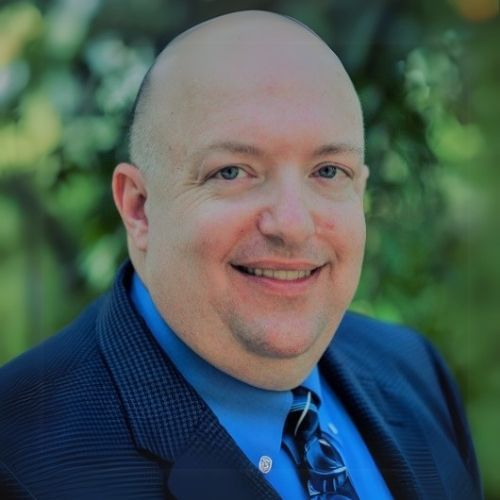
point(276, 273)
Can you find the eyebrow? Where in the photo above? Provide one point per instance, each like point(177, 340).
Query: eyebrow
point(336, 148)
point(233, 147)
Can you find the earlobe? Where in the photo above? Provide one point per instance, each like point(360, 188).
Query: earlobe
point(129, 194)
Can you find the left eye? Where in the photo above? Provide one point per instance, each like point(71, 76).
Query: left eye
point(229, 173)
point(327, 171)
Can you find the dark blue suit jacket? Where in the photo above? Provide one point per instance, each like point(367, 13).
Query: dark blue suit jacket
point(99, 412)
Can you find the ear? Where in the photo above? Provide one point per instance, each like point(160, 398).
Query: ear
point(129, 194)
point(365, 173)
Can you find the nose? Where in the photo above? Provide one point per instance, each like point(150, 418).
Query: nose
point(288, 216)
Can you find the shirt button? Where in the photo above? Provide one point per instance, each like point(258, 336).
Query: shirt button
point(265, 464)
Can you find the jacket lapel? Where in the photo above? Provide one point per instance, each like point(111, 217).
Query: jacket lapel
point(169, 422)
point(384, 429)
point(213, 467)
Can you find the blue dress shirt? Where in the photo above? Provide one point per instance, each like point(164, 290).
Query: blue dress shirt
point(255, 417)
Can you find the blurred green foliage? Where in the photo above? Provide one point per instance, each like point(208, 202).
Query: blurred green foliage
point(427, 73)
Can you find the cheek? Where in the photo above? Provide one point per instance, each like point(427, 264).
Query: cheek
point(208, 234)
point(354, 234)
point(344, 223)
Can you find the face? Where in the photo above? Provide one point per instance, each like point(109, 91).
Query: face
point(255, 226)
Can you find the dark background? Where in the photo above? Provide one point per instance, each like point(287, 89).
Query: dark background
point(428, 76)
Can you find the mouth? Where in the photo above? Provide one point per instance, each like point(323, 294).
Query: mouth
point(278, 274)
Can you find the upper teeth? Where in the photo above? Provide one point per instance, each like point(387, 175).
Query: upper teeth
point(278, 274)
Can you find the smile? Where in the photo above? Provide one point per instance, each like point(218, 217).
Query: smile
point(277, 274)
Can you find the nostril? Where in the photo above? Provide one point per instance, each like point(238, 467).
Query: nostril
point(287, 222)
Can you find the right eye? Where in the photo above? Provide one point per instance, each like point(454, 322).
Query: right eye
point(229, 173)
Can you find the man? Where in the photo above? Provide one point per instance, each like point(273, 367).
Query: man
point(209, 371)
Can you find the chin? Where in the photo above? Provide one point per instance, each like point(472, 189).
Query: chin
point(279, 345)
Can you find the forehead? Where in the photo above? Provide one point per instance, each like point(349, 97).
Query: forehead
point(277, 122)
point(254, 80)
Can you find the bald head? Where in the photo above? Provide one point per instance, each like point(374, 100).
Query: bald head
point(248, 136)
point(226, 58)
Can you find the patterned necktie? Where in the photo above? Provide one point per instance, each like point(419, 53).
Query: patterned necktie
point(313, 450)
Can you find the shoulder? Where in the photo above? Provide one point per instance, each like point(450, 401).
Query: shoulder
point(73, 348)
point(371, 329)
point(394, 374)
point(371, 339)
point(63, 427)
point(399, 361)
point(40, 388)
point(51, 359)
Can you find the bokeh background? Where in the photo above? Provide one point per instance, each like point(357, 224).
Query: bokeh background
point(428, 74)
